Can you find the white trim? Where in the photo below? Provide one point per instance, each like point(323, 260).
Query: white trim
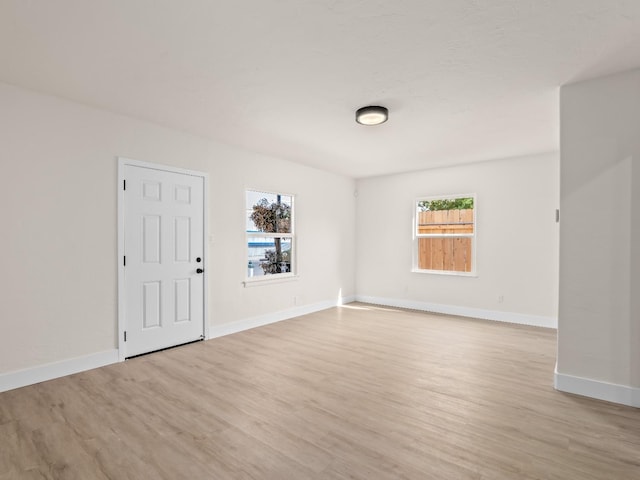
point(49, 371)
point(207, 263)
point(498, 316)
point(122, 163)
point(445, 272)
point(259, 234)
point(270, 279)
point(345, 300)
point(249, 323)
point(600, 390)
point(120, 229)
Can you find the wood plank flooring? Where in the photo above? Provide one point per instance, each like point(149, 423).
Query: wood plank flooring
point(355, 392)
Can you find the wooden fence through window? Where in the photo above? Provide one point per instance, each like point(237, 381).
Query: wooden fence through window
point(445, 253)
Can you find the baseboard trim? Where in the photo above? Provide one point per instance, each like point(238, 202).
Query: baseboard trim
point(507, 317)
point(587, 387)
point(262, 320)
point(49, 371)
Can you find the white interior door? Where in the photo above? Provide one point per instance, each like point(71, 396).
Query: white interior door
point(163, 259)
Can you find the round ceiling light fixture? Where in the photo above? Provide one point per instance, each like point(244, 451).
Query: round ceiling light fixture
point(372, 115)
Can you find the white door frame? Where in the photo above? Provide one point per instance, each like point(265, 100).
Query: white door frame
point(122, 163)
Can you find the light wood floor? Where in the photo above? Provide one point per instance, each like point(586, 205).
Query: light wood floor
point(356, 392)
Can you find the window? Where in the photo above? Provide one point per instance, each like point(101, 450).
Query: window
point(445, 229)
point(270, 238)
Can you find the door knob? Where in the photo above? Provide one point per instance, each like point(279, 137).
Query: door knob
point(199, 270)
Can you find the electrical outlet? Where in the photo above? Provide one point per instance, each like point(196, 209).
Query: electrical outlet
point(500, 298)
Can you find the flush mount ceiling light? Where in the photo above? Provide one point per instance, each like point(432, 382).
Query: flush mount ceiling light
point(372, 115)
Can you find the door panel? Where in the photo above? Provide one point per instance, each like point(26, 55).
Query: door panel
point(151, 304)
point(151, 239)
point(182, 235)
point(163, 236)
point(182, 295)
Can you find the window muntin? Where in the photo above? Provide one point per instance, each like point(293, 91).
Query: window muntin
point(269, 234)
point(445, 229)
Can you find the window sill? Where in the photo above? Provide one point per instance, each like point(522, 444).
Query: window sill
point(449, 273)
point(270, 279)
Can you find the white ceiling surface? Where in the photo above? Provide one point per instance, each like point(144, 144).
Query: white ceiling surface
point(464, 80)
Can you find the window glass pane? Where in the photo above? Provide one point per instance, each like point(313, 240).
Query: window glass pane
point(268, 255)
point(451, 254)
point(445, 216)
point(268, 212)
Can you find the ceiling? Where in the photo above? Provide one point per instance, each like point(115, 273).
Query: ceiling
point(464, 80)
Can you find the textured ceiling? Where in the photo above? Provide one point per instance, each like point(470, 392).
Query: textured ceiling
point(464, 80)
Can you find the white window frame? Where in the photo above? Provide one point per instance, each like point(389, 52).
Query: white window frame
point(277, 277)
point(473, 236)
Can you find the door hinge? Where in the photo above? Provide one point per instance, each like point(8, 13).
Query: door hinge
point(557, 215)
point(124, 184)
point(124, 262)
point(125, 335)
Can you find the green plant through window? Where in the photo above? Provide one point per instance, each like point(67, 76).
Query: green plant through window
point(445, 204)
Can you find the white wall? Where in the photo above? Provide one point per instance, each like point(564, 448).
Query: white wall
point(58, 209)
point(517, 240)
point(599, 313)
